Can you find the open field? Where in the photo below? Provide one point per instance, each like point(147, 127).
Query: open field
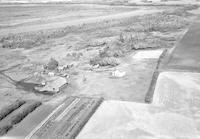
point(113, 2)
point(77, 44)
point(31, 14)
point(48, 51)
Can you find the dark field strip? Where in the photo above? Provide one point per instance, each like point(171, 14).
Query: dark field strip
point(150, 92)
point(85, 116)
point(8, 109)
point(68, 121)
point(17, 116)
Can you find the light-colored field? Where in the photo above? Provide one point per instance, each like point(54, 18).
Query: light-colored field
point(26, 17)
point(107, 1)
point(63, 17)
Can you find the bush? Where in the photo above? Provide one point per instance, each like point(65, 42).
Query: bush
point(52, 64)
point(107, 61)
point(163, 23)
